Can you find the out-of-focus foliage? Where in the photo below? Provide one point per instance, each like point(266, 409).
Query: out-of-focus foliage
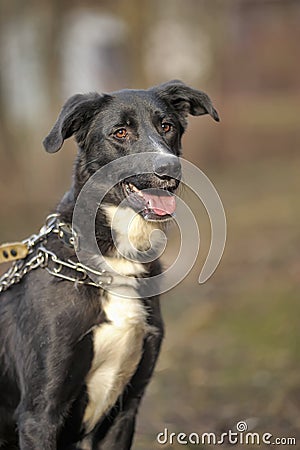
point(231, 350)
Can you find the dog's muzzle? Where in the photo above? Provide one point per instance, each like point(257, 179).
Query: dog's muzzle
point(152, 194)
point(167, 166)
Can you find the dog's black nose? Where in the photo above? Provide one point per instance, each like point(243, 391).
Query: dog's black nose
point(167, 166)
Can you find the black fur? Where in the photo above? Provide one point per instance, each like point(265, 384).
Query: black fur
point(46, 343)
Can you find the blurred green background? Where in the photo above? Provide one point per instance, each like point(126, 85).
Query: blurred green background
point(232, 344)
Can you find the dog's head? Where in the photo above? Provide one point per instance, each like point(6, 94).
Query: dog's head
point(127, 122)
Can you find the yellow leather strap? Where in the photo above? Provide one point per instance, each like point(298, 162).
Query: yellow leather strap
point(13, 251)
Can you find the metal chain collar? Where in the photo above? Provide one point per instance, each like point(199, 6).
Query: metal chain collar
point(48, 260)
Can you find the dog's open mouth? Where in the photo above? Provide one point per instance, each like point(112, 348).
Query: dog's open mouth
point(152, 204)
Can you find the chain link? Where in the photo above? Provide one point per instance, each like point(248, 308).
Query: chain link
point(48, 260)
point(19, 269)
point(82, 271)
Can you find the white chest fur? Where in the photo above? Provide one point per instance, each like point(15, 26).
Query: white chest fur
point(117, 352)
point(118, 344)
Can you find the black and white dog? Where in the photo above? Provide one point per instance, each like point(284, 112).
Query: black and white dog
point(75, 359)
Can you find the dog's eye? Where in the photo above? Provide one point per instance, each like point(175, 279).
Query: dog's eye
point(166, 127)
point(121, 133)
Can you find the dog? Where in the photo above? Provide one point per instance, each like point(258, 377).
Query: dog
point(75, 358)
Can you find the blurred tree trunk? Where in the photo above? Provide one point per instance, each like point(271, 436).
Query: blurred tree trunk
point(7, 141)
point(138, 16)
point(51, 49)
point(6, 137)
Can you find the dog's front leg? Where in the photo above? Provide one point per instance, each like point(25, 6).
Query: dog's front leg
point(121, 431)
point(49, 394)
point(117, 429)
point(36, 432)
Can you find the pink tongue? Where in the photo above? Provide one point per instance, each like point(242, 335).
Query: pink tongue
point(162, 204)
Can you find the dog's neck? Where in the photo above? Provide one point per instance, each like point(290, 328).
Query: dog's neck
point(102, 229)
point(120, 232)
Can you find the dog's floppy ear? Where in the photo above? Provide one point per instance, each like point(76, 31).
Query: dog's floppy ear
point(186, 100)
point(77, 111)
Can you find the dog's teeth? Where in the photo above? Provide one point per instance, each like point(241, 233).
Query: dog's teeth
point(133, 188)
